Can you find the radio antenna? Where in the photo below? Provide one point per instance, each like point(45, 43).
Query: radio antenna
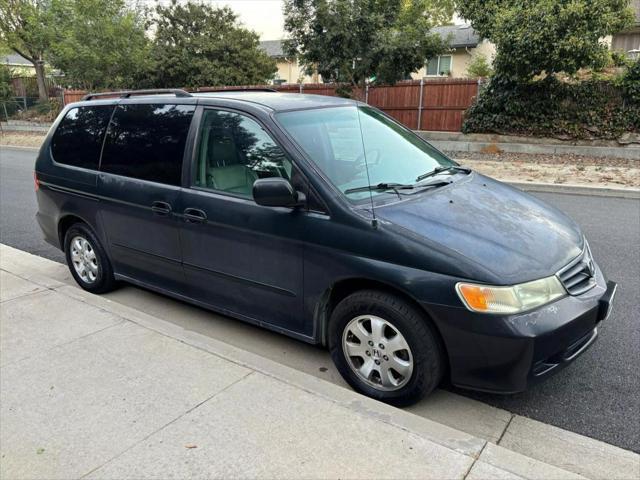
point(374, 221)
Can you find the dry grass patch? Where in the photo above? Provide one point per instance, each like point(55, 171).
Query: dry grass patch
point(22, 139)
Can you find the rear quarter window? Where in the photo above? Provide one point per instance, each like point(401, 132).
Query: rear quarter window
point(78, 139)
point(146, 141)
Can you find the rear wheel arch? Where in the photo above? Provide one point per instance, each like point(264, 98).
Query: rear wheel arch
point(65, 223)
point(343, 288)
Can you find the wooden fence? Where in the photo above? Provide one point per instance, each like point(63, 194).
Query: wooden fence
point(419, 104)
point(28, 87)
point(71, 96)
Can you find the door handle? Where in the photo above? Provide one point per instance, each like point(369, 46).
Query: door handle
point(195, 215)
point(161, 208)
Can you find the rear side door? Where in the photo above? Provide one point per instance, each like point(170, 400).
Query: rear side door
point(239, 257)
point(139, 183)
point(67, 172)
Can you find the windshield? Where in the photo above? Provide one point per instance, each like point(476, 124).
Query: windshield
point(384, 153)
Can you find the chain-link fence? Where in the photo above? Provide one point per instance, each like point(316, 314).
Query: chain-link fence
point(29, 109)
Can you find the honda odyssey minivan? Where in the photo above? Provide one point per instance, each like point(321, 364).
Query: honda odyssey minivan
point(326, 220)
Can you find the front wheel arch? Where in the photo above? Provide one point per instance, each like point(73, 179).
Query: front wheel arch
point(343, 288)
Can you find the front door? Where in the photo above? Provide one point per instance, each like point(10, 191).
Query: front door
point(139, 183)
point(239, 257)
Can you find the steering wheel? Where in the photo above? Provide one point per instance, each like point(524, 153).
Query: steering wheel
point(372, 158)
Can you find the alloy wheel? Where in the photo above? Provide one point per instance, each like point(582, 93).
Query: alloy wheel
point(377, 352)
point(84, 259)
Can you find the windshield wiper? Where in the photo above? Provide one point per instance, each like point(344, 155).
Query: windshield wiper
point(396, 187)
point(438, 170)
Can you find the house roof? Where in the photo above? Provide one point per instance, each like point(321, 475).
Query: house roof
point(273, 48)
point(15, 60)
point(459, 36)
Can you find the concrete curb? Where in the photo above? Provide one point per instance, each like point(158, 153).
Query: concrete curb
point(628, 153)
point(573, 189)
point(501, 138)
point(25, 126)
point(457, 142)
point(24, 129)
point(20, 147)
point(532, 460)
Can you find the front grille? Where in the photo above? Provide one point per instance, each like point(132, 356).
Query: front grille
point(579, 275)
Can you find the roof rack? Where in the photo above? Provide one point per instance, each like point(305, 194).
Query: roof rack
point(129, 93)
point(235, 89)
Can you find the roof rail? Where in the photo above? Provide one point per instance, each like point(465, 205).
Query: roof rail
point(235, 89)
point(129, 93)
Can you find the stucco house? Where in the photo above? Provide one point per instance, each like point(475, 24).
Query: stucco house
point(628, 41)
point(20, 66)
point(464, 44)
point(289, 70)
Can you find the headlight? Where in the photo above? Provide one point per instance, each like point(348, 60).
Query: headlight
point(514, 299)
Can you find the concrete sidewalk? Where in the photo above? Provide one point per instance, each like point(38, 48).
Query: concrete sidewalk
point(90, 387)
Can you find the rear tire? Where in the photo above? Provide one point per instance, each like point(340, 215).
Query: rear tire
point(385, 348)
point(87, 260)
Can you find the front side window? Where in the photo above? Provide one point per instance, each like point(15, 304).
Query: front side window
point(146, 141)
point(359, 146)
point(439, 66)
point(234, 151)
point(78, 139)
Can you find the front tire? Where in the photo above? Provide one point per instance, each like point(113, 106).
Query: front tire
point(385, 348)
point(87, 260)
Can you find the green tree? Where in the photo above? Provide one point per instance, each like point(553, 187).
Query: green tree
point(546, 36)
point(6, 92)
point(25, 27)
point(357, 40)
point(99, 43)
point(201, 45)
point(479, 67)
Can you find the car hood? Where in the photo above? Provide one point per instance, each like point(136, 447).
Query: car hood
point(483, 225)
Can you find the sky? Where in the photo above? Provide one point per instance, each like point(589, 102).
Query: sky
point(263, 16)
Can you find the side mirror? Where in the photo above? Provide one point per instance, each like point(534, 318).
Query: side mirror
point(276, 192)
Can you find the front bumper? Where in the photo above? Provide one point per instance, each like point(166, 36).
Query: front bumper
point(506, 354)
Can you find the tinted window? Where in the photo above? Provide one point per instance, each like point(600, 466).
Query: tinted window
point(78, 139)
point(234, 151)
point(146, 141)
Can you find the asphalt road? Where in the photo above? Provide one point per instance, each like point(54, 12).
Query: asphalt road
point(597, 396)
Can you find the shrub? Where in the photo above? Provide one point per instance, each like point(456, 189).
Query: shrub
point(619, 59)
point(630, 83)
point(548, 107)
point(479, 67)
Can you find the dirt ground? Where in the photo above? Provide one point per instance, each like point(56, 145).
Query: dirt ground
point(21, 139)
point(516, 167)
point(559, 169)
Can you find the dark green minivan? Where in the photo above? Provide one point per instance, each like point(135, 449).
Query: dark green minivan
point(323, 219)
